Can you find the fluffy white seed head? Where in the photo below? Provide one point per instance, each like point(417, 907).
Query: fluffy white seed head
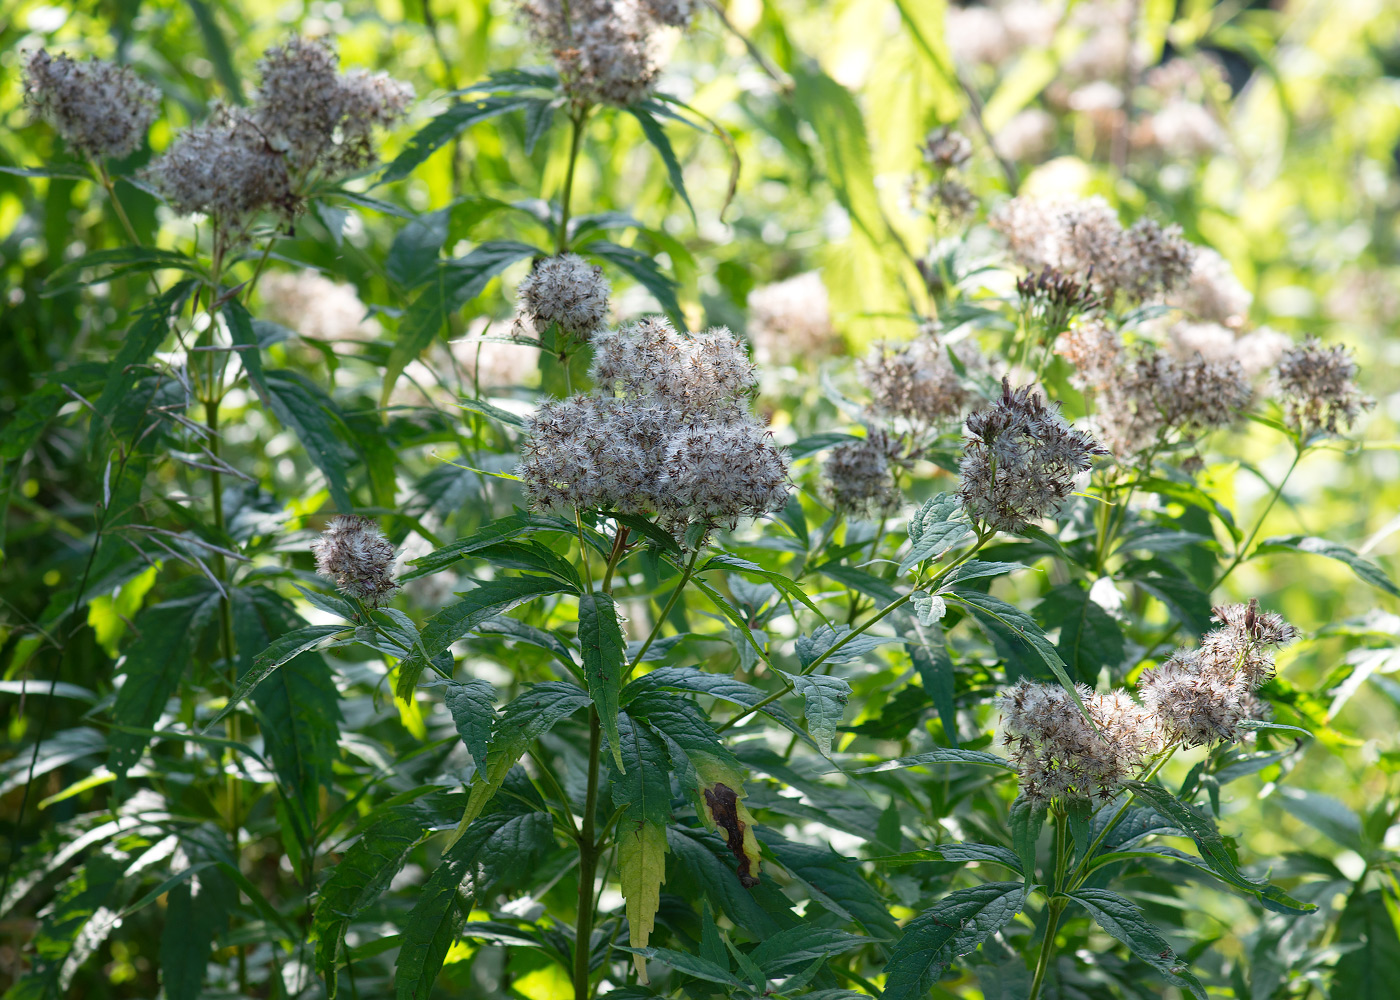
point(916, 382)
point(566, 290)
point(226, 168)
point(1082, 237)
point(1020, 460)
point(354, 554)
point(858, 475)
point(100, 109)
point(707, 375)
point(1027, 136)
point(323, 120)
point(1212, 293)
point(1059, 754)
point(1317, 386)
point(605, 50)
point(1155, 396)
point(721, 472)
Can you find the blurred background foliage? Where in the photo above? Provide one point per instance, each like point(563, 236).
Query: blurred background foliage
point(1287, 166)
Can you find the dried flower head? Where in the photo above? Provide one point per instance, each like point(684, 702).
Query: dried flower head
point(226, 169)
point(1202, 696)
point(354, 553)
point(946, 149)
point(720, 472)
point(915, 381)
point(1061, 754)
point(1185, 129)
point(1020, 460)
point(1052, 299)
point(673, 13)
point(604, 49)
point(707, 375)
point(99, 108)
point(1082, 237)
point(666, 432)
point(1096, 351)
point(952, 202)
point(1155, 396)
point(320, 119)
point(1317, 386)
point(790, 320)
point(858, 475)
point(566, 290)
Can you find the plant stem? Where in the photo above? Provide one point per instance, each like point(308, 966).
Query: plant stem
point(587, 862)
point(1055, 905)
point(575, 142)
point(661, 618)
point(1243, 550)
point(619, 549)
point(1080, 872)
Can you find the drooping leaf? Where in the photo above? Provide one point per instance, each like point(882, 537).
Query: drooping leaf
point(954, 926)
point(153, 665)
point(304, 408)
point(196, 911)
point(1214, 851)
point(641, 861)
point(1090, 639)
point(279, 652)
point(1369, 965)
point(472, 705)
point(941, 755)
point(535, 712)
point(451, 285)
point(722, 686)
point(1009, 621)
point(656, 135)
point(446, 127)
point(929, 651)
point(1125, 920)
point(147, 333)
point(645, 271)
point(453, 622)
point(1366, 570)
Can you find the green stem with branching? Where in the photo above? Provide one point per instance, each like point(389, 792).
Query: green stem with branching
point(578, 119)
point(1243, 551)
point(1081, 872)
point(887, 610)
point(686, 574)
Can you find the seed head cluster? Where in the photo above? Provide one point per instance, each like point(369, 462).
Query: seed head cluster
point(354, 553)
point(1061, 754)
point(791, 320)
point(605, 50)
point(666, 431)
point(1196, 698)
point(858, 475)
point(566, 290)
point(101, 109)
point(1082, 237)
point(1317, 386)
point(1020, 460)
point(1155, 396)
point(226, 168)
point(1212, 293)
point(307, 119)
point(916, 382)
point(1203, 695)
point(320, 119)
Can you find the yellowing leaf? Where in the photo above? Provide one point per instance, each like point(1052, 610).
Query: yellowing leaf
point(641, 855)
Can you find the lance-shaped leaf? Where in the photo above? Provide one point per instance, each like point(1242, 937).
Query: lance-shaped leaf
point(361, 874)
point(1090, 638)
point(1125, 920)
point(444, 902)
point(1360, 565)
point(446, 127)
point(524, 720)
point(824, 699)
point(604, 659)
point(452, 623)
point(1214, 850)
point(153, 665)
point(956, 854)
point(940, 755)
point(1006, 620)
point(955, 926)
point(722, 686)
point(279, 652)
point(196, 911)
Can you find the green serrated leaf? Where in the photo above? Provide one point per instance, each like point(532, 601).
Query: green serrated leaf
point(604, 660)
point(956, 925)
